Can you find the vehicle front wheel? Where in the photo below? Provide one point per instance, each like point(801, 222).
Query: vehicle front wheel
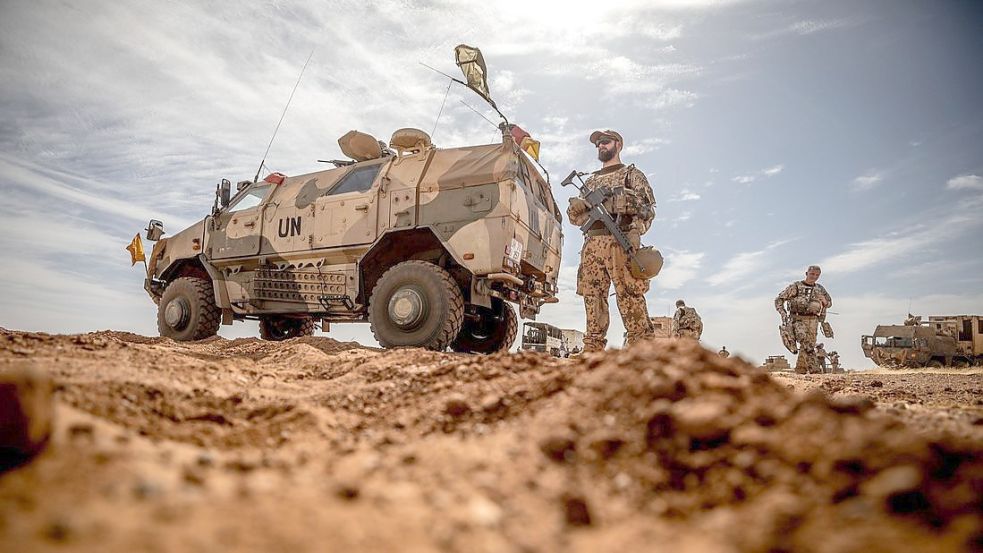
point(416, 303)
point(278, 327)
point(187, 310)
point(488, 332)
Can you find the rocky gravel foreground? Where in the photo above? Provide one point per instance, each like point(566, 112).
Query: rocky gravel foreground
point(318, 445)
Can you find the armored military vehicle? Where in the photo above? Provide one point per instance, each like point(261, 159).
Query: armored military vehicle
point(542, 337)
point(942, 340)
point(430, 245)
point(776, 363)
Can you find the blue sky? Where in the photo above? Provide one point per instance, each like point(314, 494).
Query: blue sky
point(775, 134)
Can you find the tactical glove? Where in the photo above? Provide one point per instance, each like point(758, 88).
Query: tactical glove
point(577, 207)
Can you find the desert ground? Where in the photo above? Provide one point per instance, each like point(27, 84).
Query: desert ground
point(317, 445)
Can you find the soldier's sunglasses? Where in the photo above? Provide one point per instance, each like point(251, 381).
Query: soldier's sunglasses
point(603, 141)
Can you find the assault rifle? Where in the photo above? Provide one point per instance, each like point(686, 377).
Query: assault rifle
point(596, 211)
point(645, 262)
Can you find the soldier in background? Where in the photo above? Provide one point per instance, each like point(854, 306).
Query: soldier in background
point(723, 352)
point(686, 323)
point(602, 260)
point(806, 300)
point(834, 362)
point(821, 357)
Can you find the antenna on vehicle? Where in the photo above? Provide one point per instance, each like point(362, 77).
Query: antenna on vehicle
point(260, 168)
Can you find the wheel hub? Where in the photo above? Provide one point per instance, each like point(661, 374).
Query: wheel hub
point(177, 313)
point(406, 308)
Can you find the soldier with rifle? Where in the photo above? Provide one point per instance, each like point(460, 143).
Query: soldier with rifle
point(807, 302)
point(615, 207)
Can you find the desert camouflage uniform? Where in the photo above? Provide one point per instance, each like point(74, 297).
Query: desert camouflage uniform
point(686, 323)
point(834, 362)
point(805, 303)
point(603, 261)
point(821, 358)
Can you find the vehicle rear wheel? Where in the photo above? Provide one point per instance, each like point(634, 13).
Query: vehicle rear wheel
point(416, 303)
point(278, 327)
point(187, 310)
point(488, 332)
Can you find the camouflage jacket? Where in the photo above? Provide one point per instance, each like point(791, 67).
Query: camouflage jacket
point(803, 299)
point(687, 318)
point(640, 199)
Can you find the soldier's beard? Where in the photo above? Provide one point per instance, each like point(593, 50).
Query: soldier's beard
point(605, 155)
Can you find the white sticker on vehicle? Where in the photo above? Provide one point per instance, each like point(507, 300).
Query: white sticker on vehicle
point(515, 251)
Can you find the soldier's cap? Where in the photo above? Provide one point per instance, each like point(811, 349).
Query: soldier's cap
point(680, 303)
point(597, 135)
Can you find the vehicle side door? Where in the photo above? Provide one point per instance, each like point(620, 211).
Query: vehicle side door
point(347, 213)
point(236, 231)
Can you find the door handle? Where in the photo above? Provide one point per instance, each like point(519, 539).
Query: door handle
point(362, 207)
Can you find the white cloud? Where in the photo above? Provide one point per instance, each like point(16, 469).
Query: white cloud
point(965, 182)
point(685, 195)
point(807, 27)
point(681, 267)
point(744, 264)
point(764, 173)
point(639, 147)
point(868, 180)
point(902, 244)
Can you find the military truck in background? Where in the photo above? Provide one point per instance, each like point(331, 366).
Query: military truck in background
point(430, 246)
point(942, 340)
point(549, 339)
point(776, 363)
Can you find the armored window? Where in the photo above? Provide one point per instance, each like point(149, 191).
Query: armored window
point(979, 325)
point(251, 198)
point(359, 179)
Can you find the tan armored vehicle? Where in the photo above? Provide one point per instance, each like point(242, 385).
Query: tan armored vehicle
point(776, 363)
point(946, 340)
point(431, 246)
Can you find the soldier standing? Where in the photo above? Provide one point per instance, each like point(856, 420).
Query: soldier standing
point(806, 300)
point(821, 357)
point(686, 323)
point(834, 362)
point(602, 260)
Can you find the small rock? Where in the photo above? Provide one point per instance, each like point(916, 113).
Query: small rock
point(851, 404)
point(456, 406)
point(194, 475)
point(145, 489)
point(491, 402)
point(876, 384)
point(702, 420)
point(558, 448)
point(205, 459)
point(893, 480)
point(484, 512)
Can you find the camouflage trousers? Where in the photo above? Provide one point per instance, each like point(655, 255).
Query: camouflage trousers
point(805, 329)
point(603, 261)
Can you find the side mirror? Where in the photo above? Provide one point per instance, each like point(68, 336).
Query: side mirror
point(223, 193)
point(155, 229)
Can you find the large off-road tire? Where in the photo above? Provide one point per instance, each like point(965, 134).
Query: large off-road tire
point(489, 332)
point(277, 327)
point(187, 310)
point(416, 303)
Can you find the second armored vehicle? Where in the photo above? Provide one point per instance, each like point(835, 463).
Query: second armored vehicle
point(950, 340)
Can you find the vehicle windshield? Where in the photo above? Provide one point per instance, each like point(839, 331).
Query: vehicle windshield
point(253, 196)
point(892, 342)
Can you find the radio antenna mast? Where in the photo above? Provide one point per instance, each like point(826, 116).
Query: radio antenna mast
point(260, 168)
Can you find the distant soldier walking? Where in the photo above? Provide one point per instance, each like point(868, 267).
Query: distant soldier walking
point(602, 260)
point(806, 300)
point(834, 362)
point(686, 323)
point(821, 357)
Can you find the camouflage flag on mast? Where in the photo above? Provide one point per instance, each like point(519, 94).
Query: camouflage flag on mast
point(472, 64)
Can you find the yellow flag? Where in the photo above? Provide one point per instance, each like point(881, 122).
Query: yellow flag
point(531, 147)
point(136, 250)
